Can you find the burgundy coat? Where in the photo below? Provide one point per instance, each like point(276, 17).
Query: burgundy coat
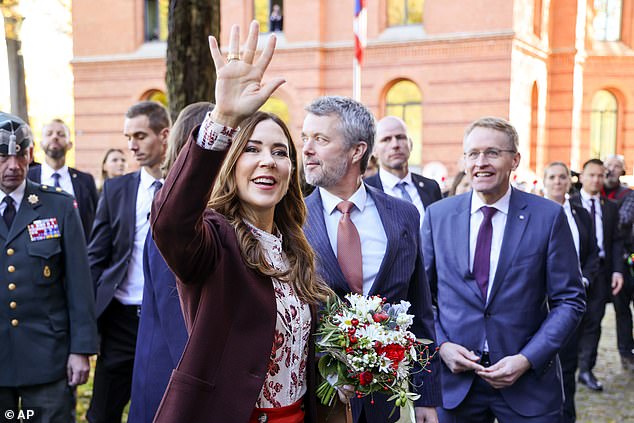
point(229, 309)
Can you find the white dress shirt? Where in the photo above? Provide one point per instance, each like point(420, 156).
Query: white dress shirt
point(573, 225)
point(499, 223)
point(389, 182)
point(598, 216)
point(17, 195)
point(130, 291)
point(65, 182)
point(366, 218)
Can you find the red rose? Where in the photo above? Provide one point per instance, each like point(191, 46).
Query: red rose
point(365, 378)
point(394, 352)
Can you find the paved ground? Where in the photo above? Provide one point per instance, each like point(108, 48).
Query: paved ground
point(616, 403)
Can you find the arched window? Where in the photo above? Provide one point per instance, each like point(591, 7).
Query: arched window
point(269, 14)
point(278, 107)
point(156, 12)
point(404, 12)
point(607, 20)
point(603, 124)
point(404, 100)
point(155, 95)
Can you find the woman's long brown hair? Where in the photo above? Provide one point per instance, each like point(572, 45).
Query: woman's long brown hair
point(290, 215)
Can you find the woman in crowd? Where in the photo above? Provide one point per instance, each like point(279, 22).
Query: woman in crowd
point(460, 184)
point(557, 183)
point(162, 334)
point(229, 224)
point(113, 164)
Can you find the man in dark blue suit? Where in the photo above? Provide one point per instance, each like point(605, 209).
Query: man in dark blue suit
point(55, 173)
point(366, 241)
point(393, 147)
point(505, 276)
point(115, 253)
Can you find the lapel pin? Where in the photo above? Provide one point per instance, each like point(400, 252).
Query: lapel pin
point(33, 199)
point(521, 217)
point(421, 184)
point(74, 175)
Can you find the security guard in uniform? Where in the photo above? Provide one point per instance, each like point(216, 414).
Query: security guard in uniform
point(47, 318)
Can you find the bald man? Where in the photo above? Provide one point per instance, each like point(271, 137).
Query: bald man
point(393, 147)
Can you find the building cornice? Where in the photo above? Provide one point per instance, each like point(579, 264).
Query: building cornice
point(390, 37)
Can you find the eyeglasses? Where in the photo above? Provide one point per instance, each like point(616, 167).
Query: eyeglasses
point(489, 153)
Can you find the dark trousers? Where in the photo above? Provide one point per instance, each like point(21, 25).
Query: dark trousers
point(568, 358)
point(622, 302)
point(118, 326)
point(591, 321)
point(483, 404)
point(49, 403)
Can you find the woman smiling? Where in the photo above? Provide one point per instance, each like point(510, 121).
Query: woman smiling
point(229, 224)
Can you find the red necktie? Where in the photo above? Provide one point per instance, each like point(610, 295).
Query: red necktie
point(349, 249)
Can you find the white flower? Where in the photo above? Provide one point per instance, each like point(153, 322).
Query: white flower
point(364, 305)
point(404, 320)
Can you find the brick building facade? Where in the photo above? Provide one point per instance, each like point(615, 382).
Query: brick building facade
point(561, 70)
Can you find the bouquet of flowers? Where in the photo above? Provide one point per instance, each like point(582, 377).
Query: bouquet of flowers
point(366, 344)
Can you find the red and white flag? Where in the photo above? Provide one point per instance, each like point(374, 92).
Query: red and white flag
point(360, 29)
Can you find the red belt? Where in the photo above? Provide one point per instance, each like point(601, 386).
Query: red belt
point(290, 414)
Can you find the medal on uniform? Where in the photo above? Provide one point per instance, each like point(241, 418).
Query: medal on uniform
point(33, 199)
point(44, 229)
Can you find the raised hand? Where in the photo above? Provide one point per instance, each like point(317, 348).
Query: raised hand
point(239, 88)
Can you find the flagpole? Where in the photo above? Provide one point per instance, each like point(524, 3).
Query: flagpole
point(359, 27)
point(356, 80)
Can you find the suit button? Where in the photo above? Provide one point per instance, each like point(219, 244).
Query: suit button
point(14, 322)
point(10, 251)
point(13, 305)
point(11, 286)
point(11, 269)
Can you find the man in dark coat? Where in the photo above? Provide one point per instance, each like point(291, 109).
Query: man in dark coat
point(56, 173)
point(47, 318)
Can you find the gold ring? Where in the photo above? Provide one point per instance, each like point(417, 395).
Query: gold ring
point(233, 56)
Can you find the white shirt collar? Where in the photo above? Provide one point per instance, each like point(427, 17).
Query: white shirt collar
point(389, 180)
point(47, 171)
point(501, 205)
point(330, 201)
point(17, 194)
point(147, 180)
point(587, 197)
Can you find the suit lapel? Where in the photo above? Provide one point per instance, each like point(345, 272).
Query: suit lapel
point(317, 235)
point(390, 221)
point(516, 222)
point(130, 194)
point(26, 213)
point(422, 192)
point(460, 231)
point(77, 187)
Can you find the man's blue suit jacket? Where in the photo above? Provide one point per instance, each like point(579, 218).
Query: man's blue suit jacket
point(401, 277)
point(112, 238)
point(537, 266)
point(161, 339)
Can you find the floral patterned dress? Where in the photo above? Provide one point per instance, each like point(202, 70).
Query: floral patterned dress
point(285, 381)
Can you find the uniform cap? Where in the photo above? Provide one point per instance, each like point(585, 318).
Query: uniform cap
point(15, 135)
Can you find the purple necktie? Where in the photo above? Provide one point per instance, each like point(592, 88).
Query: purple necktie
point(482, 257)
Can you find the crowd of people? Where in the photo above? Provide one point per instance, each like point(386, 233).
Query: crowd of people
point(198, 278)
